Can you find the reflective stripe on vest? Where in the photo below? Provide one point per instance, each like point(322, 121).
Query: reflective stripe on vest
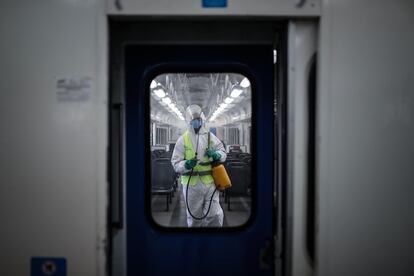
point(201, 170)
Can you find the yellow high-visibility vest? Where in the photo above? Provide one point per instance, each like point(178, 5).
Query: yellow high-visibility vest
point(201, 171)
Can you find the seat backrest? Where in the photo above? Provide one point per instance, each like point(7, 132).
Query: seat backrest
point(167, 154)
point(235, 163)
point(246, 159)
point(235, 151)
point(238, 176)
point(242, 155)
point(162, 174)
point(163, 159)
point(158, 152)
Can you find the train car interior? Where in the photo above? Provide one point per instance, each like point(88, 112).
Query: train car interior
point(226, 101)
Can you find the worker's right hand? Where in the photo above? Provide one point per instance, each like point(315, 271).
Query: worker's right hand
point(189, 164)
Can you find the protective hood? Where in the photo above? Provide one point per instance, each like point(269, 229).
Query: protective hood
point(194, 112)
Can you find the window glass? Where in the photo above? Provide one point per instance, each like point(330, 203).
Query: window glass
point(234, 136)
point(161, 136)
point(200, 143)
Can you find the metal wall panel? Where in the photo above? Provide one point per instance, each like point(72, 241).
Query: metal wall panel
point(366, 138)
point(53, 137)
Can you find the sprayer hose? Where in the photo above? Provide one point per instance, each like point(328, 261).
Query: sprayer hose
point(186, 194)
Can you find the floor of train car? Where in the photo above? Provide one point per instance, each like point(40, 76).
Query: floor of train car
point(176, 215)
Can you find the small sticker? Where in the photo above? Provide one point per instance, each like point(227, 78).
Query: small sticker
point(214, 3)
point(48, 266)
point(74, 89)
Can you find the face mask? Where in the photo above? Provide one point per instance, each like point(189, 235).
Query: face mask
point(196, 123)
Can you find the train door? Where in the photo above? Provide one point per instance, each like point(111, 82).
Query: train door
point(151, 249)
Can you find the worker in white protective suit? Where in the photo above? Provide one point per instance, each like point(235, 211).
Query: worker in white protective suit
point(193, 156)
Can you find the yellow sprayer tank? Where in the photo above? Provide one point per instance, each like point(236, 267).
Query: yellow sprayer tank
point(221, 178)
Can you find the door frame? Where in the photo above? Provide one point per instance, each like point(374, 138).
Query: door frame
point(148, 31)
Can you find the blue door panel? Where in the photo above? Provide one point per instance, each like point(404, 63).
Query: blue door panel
point(155, 251)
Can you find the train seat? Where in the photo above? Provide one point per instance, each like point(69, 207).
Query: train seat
point(163, 183)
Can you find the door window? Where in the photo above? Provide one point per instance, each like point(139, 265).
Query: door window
point(209, 114)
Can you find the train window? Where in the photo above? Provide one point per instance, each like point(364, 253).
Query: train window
point(161, 136)
point(234, 135)
point(200, 130)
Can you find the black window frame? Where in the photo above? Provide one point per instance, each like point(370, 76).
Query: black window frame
point(171, 68)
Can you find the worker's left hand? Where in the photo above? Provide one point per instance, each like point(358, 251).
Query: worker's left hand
point(214, 154)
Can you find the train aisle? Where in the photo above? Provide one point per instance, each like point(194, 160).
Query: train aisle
point(176, 216)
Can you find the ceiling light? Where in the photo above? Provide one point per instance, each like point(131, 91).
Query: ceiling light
point(236, 92)
point(228, 100)
point(166, 100)
point(245, 83)
point(153, 84)
point(160, 93)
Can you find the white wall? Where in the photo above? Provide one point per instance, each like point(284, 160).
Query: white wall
point(52, 149)
point(366, 138)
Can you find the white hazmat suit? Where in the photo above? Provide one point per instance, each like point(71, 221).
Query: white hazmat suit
point(199, 195)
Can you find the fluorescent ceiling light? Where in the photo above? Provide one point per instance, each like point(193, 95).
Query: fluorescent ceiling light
point(236, 92)
point(228, 100)
point(153, 84)
point(160, 93)
point(166, 100)
point(245, 83)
